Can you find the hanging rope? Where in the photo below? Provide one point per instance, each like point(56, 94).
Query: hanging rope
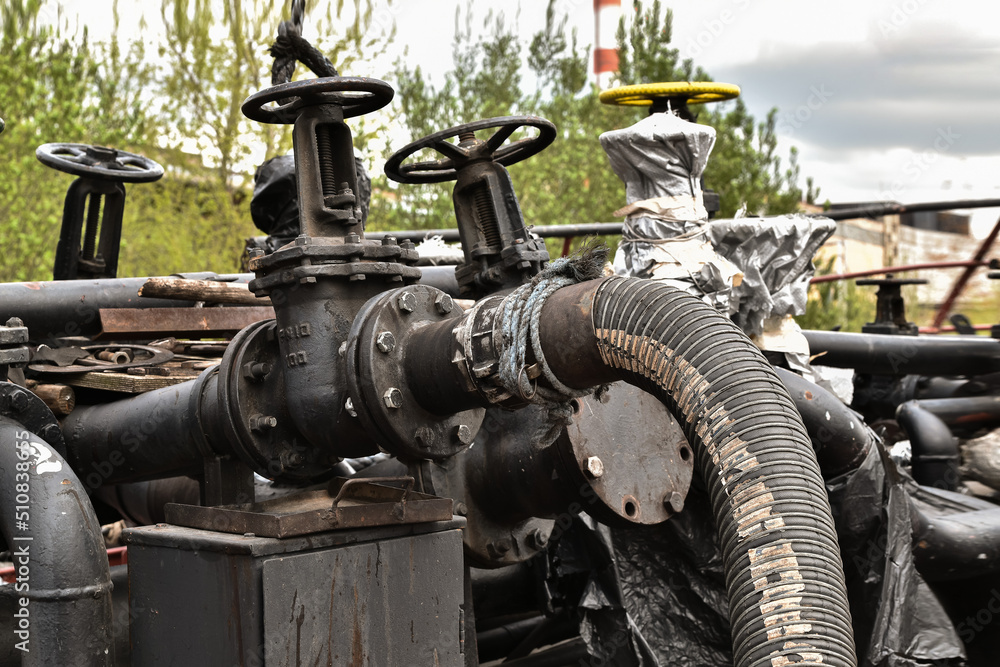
point(291, 48)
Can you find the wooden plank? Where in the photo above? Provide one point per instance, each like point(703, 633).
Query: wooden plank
point(148, 323)
point(124, 383)
point(209, 291)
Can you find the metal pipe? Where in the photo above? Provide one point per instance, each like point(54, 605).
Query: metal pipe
point(64, 308)
point(615, 228)
point(935, 451)
point(960, 283)
point(955, 546)
point(57, 309)
point(726, 396)
point(968, 412)
point(496, 643)
point(544, 231)
point(64, 582)
point(732, 408)
point(891, 208)
point(905, 355)
point(940, 330)
point(504, 591)
point(838, 434)
point(833, 277)
point(568, 653)
point(160, 433)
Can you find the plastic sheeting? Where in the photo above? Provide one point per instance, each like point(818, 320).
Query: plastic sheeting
point(672, 591)
point(275, 203)
point(665, 603)
point(660, 156)
point(898, 620)
point(660, 159)
point(667, 595)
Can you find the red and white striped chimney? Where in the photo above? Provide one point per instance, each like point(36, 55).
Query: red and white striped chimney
point(606, 16)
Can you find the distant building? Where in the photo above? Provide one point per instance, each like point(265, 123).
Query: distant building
point(938, 221)
point(874, 242)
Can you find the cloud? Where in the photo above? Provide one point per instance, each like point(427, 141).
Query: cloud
point(900, 88)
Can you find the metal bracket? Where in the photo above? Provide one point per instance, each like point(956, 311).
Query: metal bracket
point(349, 503)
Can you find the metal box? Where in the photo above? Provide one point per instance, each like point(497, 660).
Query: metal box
point(372, 597)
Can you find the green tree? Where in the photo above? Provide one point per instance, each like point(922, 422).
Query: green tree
point(643, 52)
point(569, 182)
point(205, 79)
point(837, 304)
point(179, 105)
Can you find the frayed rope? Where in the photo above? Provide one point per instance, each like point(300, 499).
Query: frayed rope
point(520, 312)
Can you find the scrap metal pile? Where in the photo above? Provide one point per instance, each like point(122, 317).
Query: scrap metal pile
point(345, 458)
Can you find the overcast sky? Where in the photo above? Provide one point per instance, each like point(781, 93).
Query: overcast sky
point(897, 100)
point(884, 99)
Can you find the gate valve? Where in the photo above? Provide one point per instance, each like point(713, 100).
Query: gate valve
point(297, 421)
point(102, 173)
point(324, 151)
point(890, 309)
point(499, 252)
point(674, 97)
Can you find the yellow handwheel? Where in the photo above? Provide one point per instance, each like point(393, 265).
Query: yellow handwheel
point(684, 92)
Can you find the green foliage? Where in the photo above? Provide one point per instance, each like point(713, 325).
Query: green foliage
point(180, 105)
point(840, 303)
point(53, 87)
point(569, 182)
point(643, 54)
point(745, 167)
point(484, 83)
point(197, 226)
point(205, 78)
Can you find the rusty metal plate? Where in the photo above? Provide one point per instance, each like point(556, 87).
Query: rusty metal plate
point(133, 356)
point(139, 323)
point(350, 503)
point(633, 455)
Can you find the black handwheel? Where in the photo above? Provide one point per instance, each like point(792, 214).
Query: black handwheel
point(456, 155)
point(99, 163)
point(357, 95)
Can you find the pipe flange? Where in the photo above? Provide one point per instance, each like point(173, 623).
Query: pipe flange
point(378, 383)
point(262, 431)
point(22, 406)
point(487, 542)
point(318, 252)
point(631, 453)
point(308, 260)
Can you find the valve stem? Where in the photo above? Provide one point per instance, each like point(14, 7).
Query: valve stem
point(324, 147)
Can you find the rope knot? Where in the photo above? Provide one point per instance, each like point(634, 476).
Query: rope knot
point(290, 48)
